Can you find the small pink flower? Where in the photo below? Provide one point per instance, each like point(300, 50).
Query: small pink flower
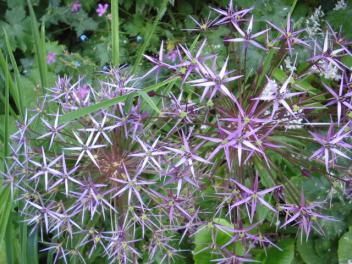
point(101, 9)
point(75, 6)
point(51, 57)
point(82, 92)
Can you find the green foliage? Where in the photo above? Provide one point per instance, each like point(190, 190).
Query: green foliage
point(283, 256)
point(202, 252)
point(344, 248)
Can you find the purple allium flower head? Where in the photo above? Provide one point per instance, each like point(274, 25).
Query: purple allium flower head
point(51, 57)
point(131, 185)
point(101, 9)
point(135, 179)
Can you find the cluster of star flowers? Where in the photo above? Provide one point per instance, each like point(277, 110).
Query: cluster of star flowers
point(135, 181)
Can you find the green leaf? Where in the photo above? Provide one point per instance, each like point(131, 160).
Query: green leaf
point(149, 101)
point(307, 252)
point(203, 239)
point(275, 256)
point(115, 32)
point(344, 251)
point(107, 103)
point(18, 86)
point(39, 43)
point(149, 35)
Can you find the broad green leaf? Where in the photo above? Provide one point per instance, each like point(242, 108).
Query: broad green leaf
point(284, 256)
point(345, 248)
point(307, 252)
point(203, 239)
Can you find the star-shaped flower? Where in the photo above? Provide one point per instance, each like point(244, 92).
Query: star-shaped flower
point(247, 37)
point(85, 148)
point(250, 197)
point(54, 130)
point(290, 36)
point(149, 154)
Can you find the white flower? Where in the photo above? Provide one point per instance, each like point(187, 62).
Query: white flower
point(288, 64)
point(270, 89)
point(313, 26)
point(328, 70)
point(340, 5)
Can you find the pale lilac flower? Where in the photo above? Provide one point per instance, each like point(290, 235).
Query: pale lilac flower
point(93, 238)
point(305, 215)
point(51, 57)
point(186, 155)
point(216, 81)
point(332, 145)
point(86, 148)
point(328, 54)
point(44, 214)
point(230, 14)
point(280, 97)
point(340, 99)
point(239, 139)
point(290, 36)
point(119, 248)
point(158, 62)
point(250, 197)
point(58, 251)
point(66, 176)
point(149, 154)
point(180, 176)
point(75, 6)
point(100, 128)
point(54, 130)
point(202, 26)
point(101, 9)
point(172, 204)
point(340, 40)
point(247, 37)
point(193, 63)
point(45, 169)
point(131, 185)
point(91, 198)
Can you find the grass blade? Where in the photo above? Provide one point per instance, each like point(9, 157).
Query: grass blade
point(150, 101)
point(18, 86)
point(115, 32)
point(7, 116)
point(145, 45)
point(39, 47)
point(107, 103)
point(12, 90)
